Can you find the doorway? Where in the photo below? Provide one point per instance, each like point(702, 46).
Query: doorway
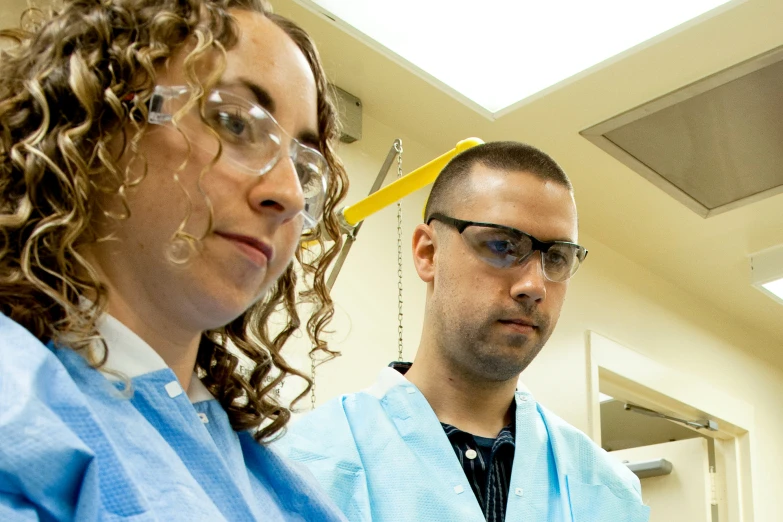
point(710, 475)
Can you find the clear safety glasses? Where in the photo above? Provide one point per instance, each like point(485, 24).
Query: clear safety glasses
point(250, 138)
point(505, 247)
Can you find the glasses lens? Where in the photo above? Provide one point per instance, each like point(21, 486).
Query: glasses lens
point(497, 247)
point(560, 261)
point(312, 169)
point(249, 135)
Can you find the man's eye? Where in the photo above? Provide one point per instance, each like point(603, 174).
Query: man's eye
point(557, 258)
point(499, 247)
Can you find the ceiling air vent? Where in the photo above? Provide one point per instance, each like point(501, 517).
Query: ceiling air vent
point(714, 145)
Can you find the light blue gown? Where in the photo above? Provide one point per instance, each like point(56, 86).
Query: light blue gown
point(72, 447)
point(383, 456)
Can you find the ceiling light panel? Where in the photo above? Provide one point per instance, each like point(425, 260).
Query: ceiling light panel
point(775, 288)
point(496, 53)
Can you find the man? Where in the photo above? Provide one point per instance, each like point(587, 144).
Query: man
point(451, 439)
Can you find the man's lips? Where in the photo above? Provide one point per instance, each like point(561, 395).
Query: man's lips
point(521, 322)
point(524, 326)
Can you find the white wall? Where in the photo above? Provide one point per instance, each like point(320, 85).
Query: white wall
point(365, 294)
point(610, 295)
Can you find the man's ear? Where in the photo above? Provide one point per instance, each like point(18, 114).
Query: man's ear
point(424, 246)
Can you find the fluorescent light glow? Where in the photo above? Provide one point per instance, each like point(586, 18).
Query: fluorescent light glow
point(498, 52)
point(775, 288)
point(602, 398)
point(766, 272)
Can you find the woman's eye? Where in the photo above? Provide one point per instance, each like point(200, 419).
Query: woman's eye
point(306, 178)
point(234, 125)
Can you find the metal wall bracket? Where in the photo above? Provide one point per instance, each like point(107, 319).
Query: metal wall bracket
point(650, 468)
point(351, 231)
point(708, 424)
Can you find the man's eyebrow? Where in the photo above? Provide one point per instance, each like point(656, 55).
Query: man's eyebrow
point(562, 239)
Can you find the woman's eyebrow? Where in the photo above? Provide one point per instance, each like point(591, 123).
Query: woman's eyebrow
point(263, 98)
point(311, 138)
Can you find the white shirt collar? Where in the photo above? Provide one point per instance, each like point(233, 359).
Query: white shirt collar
point(131, 356)
point(389, 378)
point(128, 354)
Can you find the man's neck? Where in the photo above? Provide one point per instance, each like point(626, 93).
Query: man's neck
point(471, 404)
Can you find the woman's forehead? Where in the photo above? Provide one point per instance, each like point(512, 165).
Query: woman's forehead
point(267, 60)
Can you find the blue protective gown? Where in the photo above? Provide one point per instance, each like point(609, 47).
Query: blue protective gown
point(383, 456)
point(72, 447)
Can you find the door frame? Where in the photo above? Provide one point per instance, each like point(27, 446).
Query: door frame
point(627, 375)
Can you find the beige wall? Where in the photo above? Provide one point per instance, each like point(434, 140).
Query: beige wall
point(610, 295)
point(10, 10)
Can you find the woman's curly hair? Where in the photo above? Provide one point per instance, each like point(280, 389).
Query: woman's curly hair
point(74, 81)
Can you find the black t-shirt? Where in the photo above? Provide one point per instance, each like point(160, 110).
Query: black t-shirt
point(487, 465)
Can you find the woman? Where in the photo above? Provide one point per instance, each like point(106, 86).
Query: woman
point(160, 162)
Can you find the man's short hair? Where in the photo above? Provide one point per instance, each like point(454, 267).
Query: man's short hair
point(509, 156)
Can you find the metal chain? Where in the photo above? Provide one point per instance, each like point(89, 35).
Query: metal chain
point(312, 376)
point(398, 146)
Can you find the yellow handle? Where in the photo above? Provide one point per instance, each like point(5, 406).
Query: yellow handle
point(404, 186)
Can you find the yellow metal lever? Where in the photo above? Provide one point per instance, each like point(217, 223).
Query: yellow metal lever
point(404, 186)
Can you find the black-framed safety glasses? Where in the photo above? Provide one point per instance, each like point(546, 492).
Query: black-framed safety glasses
point(506, 247)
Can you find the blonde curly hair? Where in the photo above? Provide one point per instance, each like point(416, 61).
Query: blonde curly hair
point(74, 80)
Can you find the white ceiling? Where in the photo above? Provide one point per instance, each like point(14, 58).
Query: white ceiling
point(706, 258)
point(431, 37)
